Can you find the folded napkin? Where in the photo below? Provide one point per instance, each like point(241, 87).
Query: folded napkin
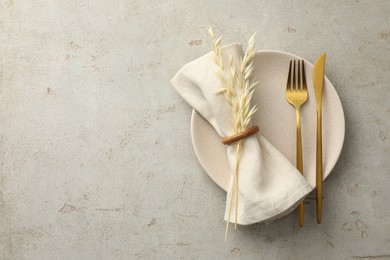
point(269, 185)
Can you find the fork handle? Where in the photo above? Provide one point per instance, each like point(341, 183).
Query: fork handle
point(299, 162)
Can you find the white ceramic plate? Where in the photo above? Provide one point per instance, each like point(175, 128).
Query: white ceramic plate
point(277, 121)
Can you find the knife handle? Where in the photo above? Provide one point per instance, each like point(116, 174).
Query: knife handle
point(319, 167)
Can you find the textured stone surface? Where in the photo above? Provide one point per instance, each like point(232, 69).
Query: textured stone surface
point(95, 150)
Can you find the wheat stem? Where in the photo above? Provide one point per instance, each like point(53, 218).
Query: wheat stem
point(238, 92)
point(230, 209)
point(238, 150)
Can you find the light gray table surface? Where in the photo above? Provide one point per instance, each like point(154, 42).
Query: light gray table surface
point(95, 147)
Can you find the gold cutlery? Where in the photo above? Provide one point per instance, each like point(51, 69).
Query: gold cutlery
point(318, 81)
point(296, 94)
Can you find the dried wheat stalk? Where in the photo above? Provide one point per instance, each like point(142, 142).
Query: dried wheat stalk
point(238, 91)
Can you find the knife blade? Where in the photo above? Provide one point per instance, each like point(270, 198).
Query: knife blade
point(318, 82)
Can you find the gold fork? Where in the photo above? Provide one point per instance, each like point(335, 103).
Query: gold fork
point(296, 94)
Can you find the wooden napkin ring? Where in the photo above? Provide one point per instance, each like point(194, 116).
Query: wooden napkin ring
point(236, 137)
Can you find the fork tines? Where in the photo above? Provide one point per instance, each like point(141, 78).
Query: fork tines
point(299, 80)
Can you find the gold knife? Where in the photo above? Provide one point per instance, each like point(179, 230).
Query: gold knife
point(318, 81)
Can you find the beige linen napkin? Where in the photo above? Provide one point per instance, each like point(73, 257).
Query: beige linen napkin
point(269, 185)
